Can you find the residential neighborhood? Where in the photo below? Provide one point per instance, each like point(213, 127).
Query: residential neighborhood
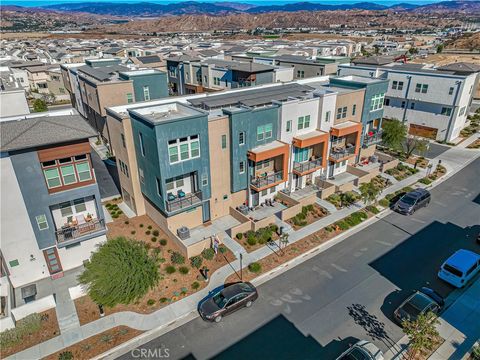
point(187, 195)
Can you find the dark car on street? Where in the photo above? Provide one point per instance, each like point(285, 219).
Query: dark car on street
point(228, 300)
point(412, 201)
point(420, 302)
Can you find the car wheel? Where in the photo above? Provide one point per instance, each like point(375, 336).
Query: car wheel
point(248, 304)
point(218, 319)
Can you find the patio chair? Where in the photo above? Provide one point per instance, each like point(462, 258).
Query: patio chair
point(181, 194)
point(171, 197)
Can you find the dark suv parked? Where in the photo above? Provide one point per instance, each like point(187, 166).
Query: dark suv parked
point(412, 201)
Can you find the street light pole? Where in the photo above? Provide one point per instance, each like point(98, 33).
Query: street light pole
point(241, 268)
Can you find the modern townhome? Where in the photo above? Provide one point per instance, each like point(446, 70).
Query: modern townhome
point(190, 75)
point(105, 82)
point(51, 213)
point(433, 103)
point(189, 161)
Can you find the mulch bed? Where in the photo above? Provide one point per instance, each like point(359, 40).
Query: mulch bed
point(290, 252)
point(249, 248)
point(48, 331)
point(424, 355)
point(98, 344)
point(474, 145)
point(170, 288)
point(421, 161)
point(317, 213)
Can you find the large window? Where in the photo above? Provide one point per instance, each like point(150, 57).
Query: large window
point(129, 98)
point(397, 85)
point(341, 113)
point(446, 111)
point(302, 155)
point(423, 88)
point(67, 171)
point(183, 149)
point(377, 102)
point(264, 132)
point(241, 138)
point(303, 122)
point(42, 222)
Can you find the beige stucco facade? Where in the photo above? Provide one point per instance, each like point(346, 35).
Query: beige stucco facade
point(221, 199)
point(349, 99)
point(123, 148)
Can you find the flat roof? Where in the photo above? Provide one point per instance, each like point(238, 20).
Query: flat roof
point(270, 146)
point(166, 112)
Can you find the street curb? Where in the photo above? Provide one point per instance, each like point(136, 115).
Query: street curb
point(263, 278)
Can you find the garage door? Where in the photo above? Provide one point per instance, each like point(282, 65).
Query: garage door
point(423, 131)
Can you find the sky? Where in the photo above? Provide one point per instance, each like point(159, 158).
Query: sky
point(255, 2)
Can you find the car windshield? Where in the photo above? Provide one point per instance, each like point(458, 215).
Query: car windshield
point(408, 199)
point(245, 287)
point(220, 300)
point(452, 270)
point(411, 310)
point(355, 354)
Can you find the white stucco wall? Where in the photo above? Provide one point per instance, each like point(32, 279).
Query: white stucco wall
point(13, 103)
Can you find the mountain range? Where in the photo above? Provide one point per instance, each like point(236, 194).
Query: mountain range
point(146, 9)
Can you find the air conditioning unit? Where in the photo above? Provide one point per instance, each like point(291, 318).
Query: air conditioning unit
point(183, 233)
point(243, 209)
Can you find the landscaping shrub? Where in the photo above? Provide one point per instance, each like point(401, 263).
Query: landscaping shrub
point(149, 227)
point(177, 258)
point(108, 205)
point(141, 225)
point(348, 198)
point(298, 221)
point(28, 325)
point(163, 300)
point(170, 269)
point(372, 209)
point(273, 228)
point(222, 248)
point(264, 235)
point(255, 267)
point(133, 232)
point(329, 228)
point(334, 199)
point(196, 261)
point(239, 236)
point(208, 254)
point(126, 222)
point(155, 232)
point(163, 242)
point(476, 352)
point(195, 285)
point(251, 240)
point(148, 232)
point(406, 189)
point(154, 239)
point(119, 212)
point(309, 207)
point(65, 355)
point(183, 270)
point(342, 225)
point(301, 216)
point(150, 302)
point(115, 216)
point(425, 181)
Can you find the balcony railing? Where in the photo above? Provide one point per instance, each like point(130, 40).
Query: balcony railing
point(184, 202)
point(68, 233)
point(267, 179)
point(373, 139)
point(307, 165)
point(342, 153)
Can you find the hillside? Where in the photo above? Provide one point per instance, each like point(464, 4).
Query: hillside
point(467, 42)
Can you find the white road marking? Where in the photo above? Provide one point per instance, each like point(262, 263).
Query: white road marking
point(322, 272)
point(383, 243)
point(339, 268)
point(419, 221)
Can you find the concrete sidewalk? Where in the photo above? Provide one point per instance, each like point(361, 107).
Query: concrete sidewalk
point(459, 326)
point(454, 159)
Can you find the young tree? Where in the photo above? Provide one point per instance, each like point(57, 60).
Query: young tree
point(39, 105)
point(369, 192)
point(422, 333)
point(120, 272)
point(394, 134)
point(413, 143)
point(413, 50)
point(439, 48)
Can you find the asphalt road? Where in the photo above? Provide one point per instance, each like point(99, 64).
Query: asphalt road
point(315, 310)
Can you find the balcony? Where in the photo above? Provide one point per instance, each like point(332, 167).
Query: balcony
point(260, 183)
point(374, 138)
point(340, 154)
point(184, 202)
point(67, 233)
point(307, 166)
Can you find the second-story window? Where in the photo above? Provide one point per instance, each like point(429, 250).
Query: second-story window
point(289, 125)
point(264, 132)
point(446, 111)
point(397, 85)
point(67, 171)
point(224, 141)
point(303, 122)
point(242, 167)
point(241, 138)
point(423, 88)
point(183, 149)
point(354, 109)
point(450, 91)
point(327, 116)
point(377, 102)
point(342, 112)
point(129, 98)
point(146, 93)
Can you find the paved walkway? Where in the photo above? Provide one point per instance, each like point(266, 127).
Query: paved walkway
point(454, 159)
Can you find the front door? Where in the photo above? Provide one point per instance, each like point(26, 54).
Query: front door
point(206, 211)
point(255, 198)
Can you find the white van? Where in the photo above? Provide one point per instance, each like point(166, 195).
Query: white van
point(460, 268)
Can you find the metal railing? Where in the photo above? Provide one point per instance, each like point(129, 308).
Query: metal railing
point(339, 154)
point(184, 202)
point(267, 179)
point(373, 139)
point(307, 165)
point(68, 233)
